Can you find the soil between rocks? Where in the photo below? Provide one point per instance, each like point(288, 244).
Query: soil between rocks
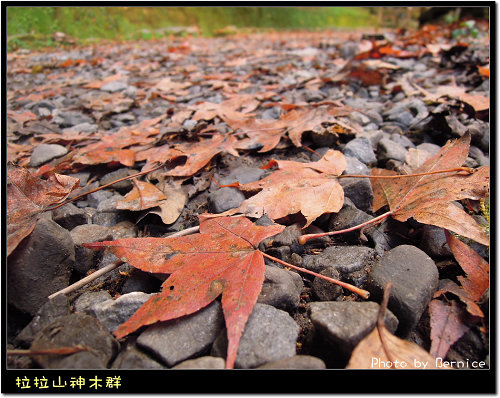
point(63, 105)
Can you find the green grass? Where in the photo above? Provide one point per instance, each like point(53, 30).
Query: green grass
point(32, 27)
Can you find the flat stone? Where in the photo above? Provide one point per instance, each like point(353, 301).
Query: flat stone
point(388, 149)
point(296, 362)
point(325, 290)
point(359, 190)
point(88, 299)
point(85, 258)
point(183, 338)
point(361, 149)
point(131, 357)
point(40, 265)
point(69, 216)
point(48, 313)
point(205, 362)
point(46, 152)
point(414, 278)
point(270, 334)
point(344, 324)
point(224, 199)
point(281, 289)
point(72, 330)
point(112, 313)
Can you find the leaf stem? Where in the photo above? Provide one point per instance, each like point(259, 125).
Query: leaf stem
point(360, 292)
point(304, 238)
point(455, 170)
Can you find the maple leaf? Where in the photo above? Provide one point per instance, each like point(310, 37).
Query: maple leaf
point(222, 259)
point(476, 267)
point(196, 154)
point(28, 196)
point(447, 326)
point(428, 198)
point(309, 188)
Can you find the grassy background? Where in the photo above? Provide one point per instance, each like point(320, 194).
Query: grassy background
point(32, 27)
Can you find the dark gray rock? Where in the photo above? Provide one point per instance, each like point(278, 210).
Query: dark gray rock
point(270, 334)
point(40, 265)
point(433, 242)
point(122, 186)
point(108, 218)
point(359, 190)
point(131, 357)
point(224, 199)
point(48, 313)
point(349, 216)
point(296, 362)
point(88, 299)
point(69, 216)
point(325, 290)
point(71, 118)
point(85, 258)
point(205, 362)
point(112, 313)
point(344, 324)
point(281, 289)
point(388, 149)
point(184, 338)
point(72, 330)
point(85, 127)
point(414, 278)
point(243, 175)
point(361, 149)
point(46, 152)
point(95, 198)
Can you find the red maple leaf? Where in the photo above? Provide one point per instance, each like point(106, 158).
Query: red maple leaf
point(222, 259)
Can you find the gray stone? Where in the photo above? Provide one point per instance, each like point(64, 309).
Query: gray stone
point(344, 324)
point(48, 313)
point(325, 290)
point(361, 149)
point(359, 190)
point(184, 338)
point(40, 265)
point(109, 204)
point(281, 289)
point(88, 299)
point(95, 198)
point(224, 199)
point(72, 330)
point(85, 258)
point(112, 313)
point(114, 86)
point(431, 148)
point(46, 152)
point(83, 128)
point(72, 118)
point(433, 242)
point(122, 186)
point(414, 278)
point(124, 229)
point(296, 362)
point(108, 218)
point(270, 334)
point(402, 140)
point(354, 166)
point(206, 362)
point(349, 216)
point(69, 216)
point(130, 357)
point(388, 149)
